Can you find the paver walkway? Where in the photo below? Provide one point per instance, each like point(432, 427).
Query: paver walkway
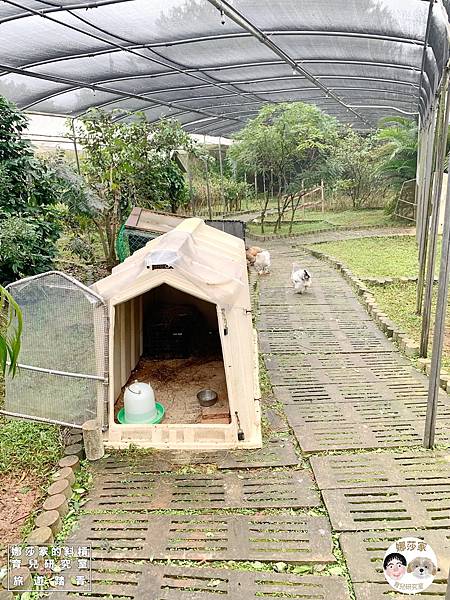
point(343, 387)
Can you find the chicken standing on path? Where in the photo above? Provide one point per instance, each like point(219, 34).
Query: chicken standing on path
point(300, 278)
point(251, 254)
point(262, 262)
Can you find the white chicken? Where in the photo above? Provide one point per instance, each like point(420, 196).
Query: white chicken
point(262, 262)
point(301, 279)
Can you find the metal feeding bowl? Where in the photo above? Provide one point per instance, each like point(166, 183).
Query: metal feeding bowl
point(207, 397)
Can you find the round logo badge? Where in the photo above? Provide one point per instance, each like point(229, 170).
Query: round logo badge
point(410, 565)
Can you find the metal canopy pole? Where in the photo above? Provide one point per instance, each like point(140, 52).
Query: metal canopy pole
point(424, 142)
point(428, 170)
point(441, 143)
point(222, 195)
point(75, 147)
point(75, 84)
point(123, 45)
point(208, 191)
point(191, 189)
point(232, 13)
point(439, 332)
point(421, 150)
point(425, 48)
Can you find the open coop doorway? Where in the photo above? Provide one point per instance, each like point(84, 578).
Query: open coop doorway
point(176, 348)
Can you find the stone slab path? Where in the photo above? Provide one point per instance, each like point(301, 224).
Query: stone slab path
point(344, 387)
point(341, 473)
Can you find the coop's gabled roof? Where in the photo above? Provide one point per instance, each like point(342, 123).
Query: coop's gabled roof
point(206, 258)
point(213, 63)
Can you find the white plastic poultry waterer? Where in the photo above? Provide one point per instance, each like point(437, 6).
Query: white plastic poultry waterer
point(139, 406)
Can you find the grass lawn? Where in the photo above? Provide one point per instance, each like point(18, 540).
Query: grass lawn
point(28, 452)
point(398, 301)
point(28, 446)
point(389, 257)
point(314, 221)
point(376, 257)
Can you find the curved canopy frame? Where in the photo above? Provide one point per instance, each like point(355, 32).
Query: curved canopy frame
point(213, 63)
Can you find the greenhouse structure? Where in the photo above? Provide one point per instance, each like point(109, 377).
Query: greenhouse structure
point(212, 64)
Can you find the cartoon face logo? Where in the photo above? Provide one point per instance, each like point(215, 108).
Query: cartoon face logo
point(410, 565)
point(422, 568)
point(394, 566)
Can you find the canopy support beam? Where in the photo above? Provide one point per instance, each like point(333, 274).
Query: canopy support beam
point(439, 333)
point(436, 189)
point(100, 88)
point(123, 45)
point(189, 71)
point(427, 180)
point(221, 178)
point(243, 22)
point(75, 147)
point(421, 152)
point(425, 45)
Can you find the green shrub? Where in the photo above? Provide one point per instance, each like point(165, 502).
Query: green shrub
point(28, 191)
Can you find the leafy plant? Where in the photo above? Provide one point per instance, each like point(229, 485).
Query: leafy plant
point(10, 332)
point(28, 222)
point(352, 169)
point(234, 192)
point(127, 163)
point(285, 143)
point(397, 153)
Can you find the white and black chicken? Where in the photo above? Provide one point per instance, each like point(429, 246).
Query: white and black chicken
point(301, 279)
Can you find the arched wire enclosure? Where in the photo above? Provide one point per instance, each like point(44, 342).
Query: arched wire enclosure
point(212, 64)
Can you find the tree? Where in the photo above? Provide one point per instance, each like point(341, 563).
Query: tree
point(289, 141)
point(127, 163)
point(10, 332)
point(28, 219)
point(352, 168)
point(397, 154)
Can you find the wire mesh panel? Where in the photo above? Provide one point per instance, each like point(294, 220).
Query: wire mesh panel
point(63, 360)
point(130, 240)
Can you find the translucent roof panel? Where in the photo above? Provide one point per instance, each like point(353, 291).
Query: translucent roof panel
point(213, 63)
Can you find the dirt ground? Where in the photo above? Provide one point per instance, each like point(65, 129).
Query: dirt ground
point(18, 497)
point(176, 383)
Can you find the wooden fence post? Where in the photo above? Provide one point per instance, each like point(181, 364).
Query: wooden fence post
point(93, 440)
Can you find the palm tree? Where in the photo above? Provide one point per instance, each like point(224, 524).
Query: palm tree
point(397, 153)
point(10, 332)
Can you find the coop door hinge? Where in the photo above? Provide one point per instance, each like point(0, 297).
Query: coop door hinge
point(225, 323)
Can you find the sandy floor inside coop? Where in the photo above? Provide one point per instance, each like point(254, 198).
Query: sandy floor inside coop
point(176, 383)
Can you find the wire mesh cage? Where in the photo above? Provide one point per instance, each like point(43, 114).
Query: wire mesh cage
point(63, 360)
point(130, 240)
